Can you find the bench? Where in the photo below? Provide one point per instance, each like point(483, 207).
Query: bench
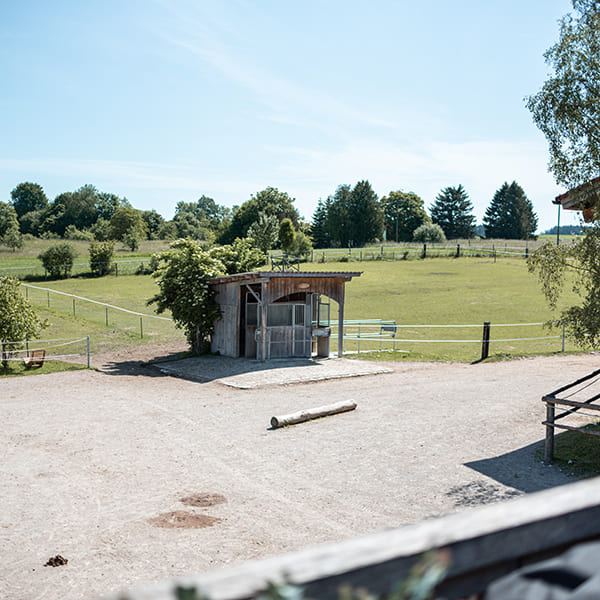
point(35, 358)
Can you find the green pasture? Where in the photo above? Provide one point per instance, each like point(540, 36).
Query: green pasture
point(437, 291)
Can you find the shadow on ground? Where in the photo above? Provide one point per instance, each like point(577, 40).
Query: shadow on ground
point(522, 469)
point(249, 374)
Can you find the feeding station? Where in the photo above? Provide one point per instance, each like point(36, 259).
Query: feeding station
point(278, 314)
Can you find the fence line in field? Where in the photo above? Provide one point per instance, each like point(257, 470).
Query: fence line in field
point(384, 332)
point(106, 306)
point(26, 346)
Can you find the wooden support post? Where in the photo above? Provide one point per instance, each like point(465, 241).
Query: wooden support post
point(263, 322)
point(485, 342)
point(424, 253)
point(549, 447)
point(341, 324)
point(312, 413)
point(457, 250)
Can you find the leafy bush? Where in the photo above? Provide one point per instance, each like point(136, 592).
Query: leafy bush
point(58, 259)
point(72, 233)
point(429, 232)
point(101, 257)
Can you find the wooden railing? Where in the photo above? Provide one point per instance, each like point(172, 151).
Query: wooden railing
point(484, 544)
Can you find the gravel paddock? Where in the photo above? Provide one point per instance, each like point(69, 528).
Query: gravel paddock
point(134, 475)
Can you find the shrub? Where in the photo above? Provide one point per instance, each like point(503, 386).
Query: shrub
point(101, 257)
point(429, 232)
point(58, 259)
point(72, 233)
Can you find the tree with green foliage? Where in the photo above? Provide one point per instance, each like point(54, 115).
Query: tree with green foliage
point(10, 234)
point(453, 212)
point(154, 222)
point(510, 215)
point(364, 214)
point(128, 226)
point(429, 232)
point(269, 201)
point(58, 259)
point(182, 277)
point(302, 244)
point(567, 108)
point(101, 257)
point(28, 197)
point(264, 231)
point(567, 111)
point(201, 220)
point(338, 216)
point(318, 230)
point(241, 256)
point(286, 235)
point(403, 212)
point(76, 208)
point(18, 320)
point(581, 258)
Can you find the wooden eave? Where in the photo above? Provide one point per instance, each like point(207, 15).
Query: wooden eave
point(258, 276)
point(582, 197)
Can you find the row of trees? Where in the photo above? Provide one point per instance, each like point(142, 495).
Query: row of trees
point(350, 216)
point(355, 216)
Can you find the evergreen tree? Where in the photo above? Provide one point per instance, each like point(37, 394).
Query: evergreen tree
point(452, 211)
point(510, 215)
point(338, 215)
point(319, 232)
point(364, 214)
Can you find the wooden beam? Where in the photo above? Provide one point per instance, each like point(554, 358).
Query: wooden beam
point(313, 413)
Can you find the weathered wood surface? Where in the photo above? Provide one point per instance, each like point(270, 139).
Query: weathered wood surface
point(313, 413)
point(587, 404)
point(485, 543)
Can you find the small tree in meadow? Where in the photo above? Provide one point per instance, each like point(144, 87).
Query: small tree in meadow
point(101, 257)
point(429, 232)
point(58, 259)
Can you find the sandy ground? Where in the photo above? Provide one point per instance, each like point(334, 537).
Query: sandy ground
point(134, 475)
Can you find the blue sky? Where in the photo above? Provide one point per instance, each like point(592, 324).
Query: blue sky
point(166, 100)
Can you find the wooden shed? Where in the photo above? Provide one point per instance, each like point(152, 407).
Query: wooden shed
point(277, 314)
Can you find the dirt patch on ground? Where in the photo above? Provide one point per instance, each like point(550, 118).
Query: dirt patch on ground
point(203, 500)
point(180, 519)
point(88, 457)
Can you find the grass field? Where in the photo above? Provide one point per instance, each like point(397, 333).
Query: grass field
point(438, 291)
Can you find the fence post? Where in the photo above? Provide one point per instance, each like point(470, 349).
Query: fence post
point(88, 351)
point(563, 338)
point(526, 252)
point(116, 269)
point(457, 250)
point(100, 269)
point(485, 342)
point(381, 250)
point(106, 310)
point(48, 294)
point(424, 253)
point(141, 328)
point(549, 446)
point(73, 306)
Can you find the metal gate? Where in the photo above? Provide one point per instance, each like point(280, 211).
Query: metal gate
point(288, 330)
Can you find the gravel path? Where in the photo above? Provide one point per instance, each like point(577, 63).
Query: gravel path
point(133, 475)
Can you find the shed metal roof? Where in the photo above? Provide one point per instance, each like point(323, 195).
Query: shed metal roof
point(265, 275)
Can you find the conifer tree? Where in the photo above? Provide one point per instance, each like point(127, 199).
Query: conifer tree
point(510, 215)
point(452, 211)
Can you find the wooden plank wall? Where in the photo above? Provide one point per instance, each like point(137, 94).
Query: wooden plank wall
point(485, 543)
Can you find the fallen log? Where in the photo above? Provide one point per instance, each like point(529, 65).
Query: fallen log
point(312, 413)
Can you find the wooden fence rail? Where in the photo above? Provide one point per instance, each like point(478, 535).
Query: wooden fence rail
point(485, 543)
